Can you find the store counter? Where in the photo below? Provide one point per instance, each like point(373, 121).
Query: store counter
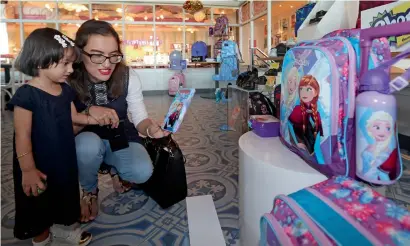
point(266, 169)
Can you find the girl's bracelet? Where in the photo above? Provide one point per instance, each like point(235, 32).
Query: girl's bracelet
point(24, 154)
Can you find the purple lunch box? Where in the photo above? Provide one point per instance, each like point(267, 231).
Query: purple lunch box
point(265, 125)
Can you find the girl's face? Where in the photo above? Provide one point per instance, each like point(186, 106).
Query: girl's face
point(380, 130)
point(100, 46)
point(307, 93)
point(292, 83)
point(60, 71)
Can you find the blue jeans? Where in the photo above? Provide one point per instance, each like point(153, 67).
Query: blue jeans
point(133, 164)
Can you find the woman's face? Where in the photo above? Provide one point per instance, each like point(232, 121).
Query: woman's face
point(103, 46)
point(307, 93)
point(292, 83)
point(380, 130)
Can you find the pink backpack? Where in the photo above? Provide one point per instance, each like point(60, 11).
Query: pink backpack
point(339, 211)
point(175, 82)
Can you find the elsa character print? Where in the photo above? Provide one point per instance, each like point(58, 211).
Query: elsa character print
point(377, 158)
point(305, 118)
point(174, 116)
point(289, 101)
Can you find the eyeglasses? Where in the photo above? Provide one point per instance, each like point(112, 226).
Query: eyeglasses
point(100, 59)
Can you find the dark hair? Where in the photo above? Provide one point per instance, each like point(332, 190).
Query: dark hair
point(80, 75)
point(41, 50)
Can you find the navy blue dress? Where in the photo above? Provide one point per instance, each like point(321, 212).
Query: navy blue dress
point(54, 154)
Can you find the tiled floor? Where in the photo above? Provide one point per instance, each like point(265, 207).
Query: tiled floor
point(212, 168)
point(133, 218)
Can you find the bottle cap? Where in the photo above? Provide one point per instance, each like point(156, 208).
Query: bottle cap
point(375, 80)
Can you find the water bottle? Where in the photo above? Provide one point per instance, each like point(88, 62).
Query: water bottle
point(377, 152)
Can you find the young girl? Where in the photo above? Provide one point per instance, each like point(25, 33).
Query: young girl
point(45, 165)
point(305, 118)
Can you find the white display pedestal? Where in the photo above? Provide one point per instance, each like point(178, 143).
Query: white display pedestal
point(266, 169)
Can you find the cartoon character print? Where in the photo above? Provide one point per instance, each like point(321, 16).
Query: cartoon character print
point(378, 157)
point(305, 118)
point(174, 116)
point(289, 101)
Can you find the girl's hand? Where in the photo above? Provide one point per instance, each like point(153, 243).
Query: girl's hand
point(104, 116)
point(32, 181)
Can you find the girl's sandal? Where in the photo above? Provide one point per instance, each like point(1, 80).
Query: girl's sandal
point(91, 200)
point(121, 186)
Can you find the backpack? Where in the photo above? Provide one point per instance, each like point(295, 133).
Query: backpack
point(339, 211)
point(199, 51)
point(260, 104)
point(327, 72)
point(221, 26)
point(175, 82)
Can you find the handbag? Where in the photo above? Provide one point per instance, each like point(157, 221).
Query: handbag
point(167, 185)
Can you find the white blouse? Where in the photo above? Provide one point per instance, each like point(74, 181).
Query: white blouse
point(136, 107)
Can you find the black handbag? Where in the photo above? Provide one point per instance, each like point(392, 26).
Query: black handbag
point(167, 185)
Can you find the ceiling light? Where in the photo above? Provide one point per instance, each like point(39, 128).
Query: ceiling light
point(145, 18)
point(157, 18)
point(263, 19)
point(96, 18)
point(78, 25)
point(223, 12)
point(291, 6)
point(280, 5)
point(192, 31)
point(119, 10)
point(179, 29)
point(116, 24)
point(162, 17)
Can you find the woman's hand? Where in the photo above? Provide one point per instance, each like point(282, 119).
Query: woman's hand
point(32, 181)
point(104, 116)
point(155, 131)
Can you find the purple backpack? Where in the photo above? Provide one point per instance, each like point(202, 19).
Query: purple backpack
point(339, 211)
point(319, 88)
point(221, 26)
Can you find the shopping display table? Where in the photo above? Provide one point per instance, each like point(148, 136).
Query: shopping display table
point(266, 169)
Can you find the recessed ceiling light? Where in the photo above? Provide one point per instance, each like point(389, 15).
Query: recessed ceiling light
point(291, 6)
point(263, 19)
point(280, 5)
point(145, 18)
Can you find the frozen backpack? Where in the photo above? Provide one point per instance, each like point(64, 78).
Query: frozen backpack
point(230, 66)
point(319, 87)
point(221, 26)
point(199, 51)
point(175, 82)
point(339, 211)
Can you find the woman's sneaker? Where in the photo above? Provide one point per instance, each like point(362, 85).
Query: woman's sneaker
point(70, 235)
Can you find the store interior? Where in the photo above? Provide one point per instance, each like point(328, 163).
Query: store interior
point(240, 164)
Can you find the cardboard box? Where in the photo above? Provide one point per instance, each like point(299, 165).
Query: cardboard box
point(386, 15)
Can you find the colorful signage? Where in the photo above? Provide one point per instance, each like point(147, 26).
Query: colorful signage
point(138, 42)
point(389, 14)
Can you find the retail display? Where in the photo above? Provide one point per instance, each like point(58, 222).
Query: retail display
point(178, 109)
point(339, 211)
point(364, 5)
point(260, 104)
point(377, 150)
point(264, 126)
point(318, 103)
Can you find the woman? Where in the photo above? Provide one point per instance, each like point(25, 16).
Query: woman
point(104, 92)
